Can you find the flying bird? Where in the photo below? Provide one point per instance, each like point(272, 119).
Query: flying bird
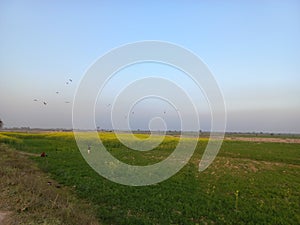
point(45, 103)
point(57, 92)
point(35, 100)
point(69, 81)
point(67, 102)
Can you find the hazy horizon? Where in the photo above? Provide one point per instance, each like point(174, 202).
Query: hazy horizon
point(252, 48)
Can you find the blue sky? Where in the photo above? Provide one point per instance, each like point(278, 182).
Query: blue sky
point(251, 47)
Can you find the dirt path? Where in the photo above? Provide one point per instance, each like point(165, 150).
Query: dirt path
point(4, 216)
point(29, 154)
point(259, 139)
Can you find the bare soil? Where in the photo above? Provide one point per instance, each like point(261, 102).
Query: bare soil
point(4, 217)
point(260, 139)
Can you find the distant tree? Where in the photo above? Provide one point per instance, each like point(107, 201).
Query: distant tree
point(1, 124)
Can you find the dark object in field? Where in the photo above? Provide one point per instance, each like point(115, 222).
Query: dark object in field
point(44, 154)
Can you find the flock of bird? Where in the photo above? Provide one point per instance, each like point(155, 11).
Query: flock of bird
point(69, 81)
point(132, 112)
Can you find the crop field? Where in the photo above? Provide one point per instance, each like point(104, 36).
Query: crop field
point(249, 182)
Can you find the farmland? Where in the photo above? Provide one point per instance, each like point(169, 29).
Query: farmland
point(250, 182)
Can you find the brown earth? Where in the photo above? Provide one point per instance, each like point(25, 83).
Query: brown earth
point(4, 217)
point(260, 139)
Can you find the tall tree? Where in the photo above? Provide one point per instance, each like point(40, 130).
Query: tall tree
point(1, 124)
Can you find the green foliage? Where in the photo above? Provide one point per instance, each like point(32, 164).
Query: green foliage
point(248, 183)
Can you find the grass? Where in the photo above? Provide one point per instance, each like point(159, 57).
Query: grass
point(248, 183)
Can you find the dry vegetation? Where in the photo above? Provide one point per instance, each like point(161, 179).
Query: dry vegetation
point(265, 139)
point(29, 196)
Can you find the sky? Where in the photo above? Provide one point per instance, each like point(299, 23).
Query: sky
point(251, 47)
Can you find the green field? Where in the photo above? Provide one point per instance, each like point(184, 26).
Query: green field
point(248, 183)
